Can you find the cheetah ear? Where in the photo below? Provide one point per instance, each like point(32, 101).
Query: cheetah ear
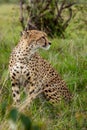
point(24, 33)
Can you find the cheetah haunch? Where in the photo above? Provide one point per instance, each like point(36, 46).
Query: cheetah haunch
point(28, 69)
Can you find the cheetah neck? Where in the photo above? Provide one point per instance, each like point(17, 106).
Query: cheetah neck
point(24, 52)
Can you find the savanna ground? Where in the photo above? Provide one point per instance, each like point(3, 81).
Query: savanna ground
point(68, 56)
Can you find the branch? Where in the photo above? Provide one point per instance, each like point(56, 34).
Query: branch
point(70, 16)
point(63, 6)
point(21, 14)
point(30, 26)
point(56, 4)
point(69, 5)
point(46, 7)
point(59, 10)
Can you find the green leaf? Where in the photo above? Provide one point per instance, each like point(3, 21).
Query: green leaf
point(13, 115)
point(3, 107)
point(36, 128)
point(26, 122)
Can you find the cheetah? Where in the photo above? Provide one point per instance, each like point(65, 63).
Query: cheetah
point(29, 70)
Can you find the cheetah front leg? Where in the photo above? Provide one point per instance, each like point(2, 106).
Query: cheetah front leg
point(15, 90)
point(31, 87)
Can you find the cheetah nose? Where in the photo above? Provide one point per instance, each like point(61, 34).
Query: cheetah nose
point(49, 43)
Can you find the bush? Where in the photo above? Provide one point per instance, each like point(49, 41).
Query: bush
point(49, 16)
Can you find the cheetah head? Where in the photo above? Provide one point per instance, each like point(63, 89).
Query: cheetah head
point(36, 39)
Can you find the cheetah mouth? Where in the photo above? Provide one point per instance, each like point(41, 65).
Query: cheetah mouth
point(46, 47)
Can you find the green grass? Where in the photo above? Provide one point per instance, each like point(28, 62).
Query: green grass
point(68, 56)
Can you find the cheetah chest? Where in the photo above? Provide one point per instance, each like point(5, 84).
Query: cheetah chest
point(20, 72)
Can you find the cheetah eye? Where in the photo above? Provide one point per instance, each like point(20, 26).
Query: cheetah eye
point(43, 37)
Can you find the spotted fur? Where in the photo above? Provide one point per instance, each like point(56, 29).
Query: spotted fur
point(28, 69)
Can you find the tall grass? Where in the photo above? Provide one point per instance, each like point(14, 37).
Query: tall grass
point(68, 56)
